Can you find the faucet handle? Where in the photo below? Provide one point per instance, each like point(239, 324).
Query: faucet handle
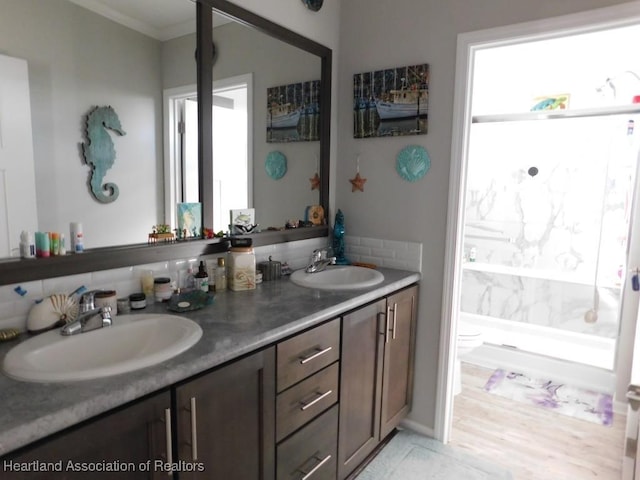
point(105, 313)
point(87, 301)
point(319, 254)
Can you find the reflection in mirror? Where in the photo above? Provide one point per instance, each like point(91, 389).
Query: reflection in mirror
point(77, 59)
point(251, 61)
point(232, 145)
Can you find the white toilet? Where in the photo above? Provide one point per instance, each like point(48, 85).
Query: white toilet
point(468, 338)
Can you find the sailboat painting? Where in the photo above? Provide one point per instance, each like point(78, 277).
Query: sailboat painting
point(293, 112)
point(391, 102)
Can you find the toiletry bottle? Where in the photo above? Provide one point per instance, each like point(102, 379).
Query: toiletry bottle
point(54, 244)
point(212, 276)
point(221, 275)
point(189, 280)
point(77, 238)
point(27, 245)
point(46, 244)
point(202, 278)
point(63, 246)
point(146, 283)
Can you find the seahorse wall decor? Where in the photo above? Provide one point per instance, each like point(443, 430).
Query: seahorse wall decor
point(99, 152)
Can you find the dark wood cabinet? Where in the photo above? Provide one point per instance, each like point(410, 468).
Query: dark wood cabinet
point(397, 377)
point(224, 428)
point(360, 385)
point(311, 452)
point(225, 421)
point(132, 443)
point(377, 375)
point(308, 379)
point(313, 406)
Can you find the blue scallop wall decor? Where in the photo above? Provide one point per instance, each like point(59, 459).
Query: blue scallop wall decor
point(412, 163)
point(275, 165)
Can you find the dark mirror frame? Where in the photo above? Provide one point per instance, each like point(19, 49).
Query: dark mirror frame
point(15, 270)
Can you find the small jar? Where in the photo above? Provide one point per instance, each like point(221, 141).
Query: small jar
point(162, 289)
point(138, 301)
point(106, 298)
point(123, 306)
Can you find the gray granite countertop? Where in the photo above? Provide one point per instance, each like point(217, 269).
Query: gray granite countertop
point(235, 324)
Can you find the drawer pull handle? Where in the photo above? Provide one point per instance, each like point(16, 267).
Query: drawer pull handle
point(386, 325)
point(633, 396)
point(395, 318)
point(194, 431)
point(315, 469)
point(315, 400)
point(168, 435)
point(304, 360)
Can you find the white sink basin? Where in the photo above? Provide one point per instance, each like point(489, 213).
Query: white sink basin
point(131, 343)
point(345, 277)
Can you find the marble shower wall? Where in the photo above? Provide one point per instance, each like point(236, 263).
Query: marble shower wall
point(547, 210)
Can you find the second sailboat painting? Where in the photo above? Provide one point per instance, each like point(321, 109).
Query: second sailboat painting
point(391, 102)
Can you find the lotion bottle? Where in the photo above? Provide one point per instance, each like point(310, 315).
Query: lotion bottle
point(221, 275)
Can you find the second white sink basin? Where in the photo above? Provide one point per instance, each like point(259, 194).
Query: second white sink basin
point(131, 343)
point(343, 277)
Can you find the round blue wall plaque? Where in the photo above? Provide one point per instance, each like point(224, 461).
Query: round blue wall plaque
point(412, 163)
point(276, 165)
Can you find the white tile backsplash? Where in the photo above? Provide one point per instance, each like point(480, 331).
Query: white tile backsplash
point(384, 253)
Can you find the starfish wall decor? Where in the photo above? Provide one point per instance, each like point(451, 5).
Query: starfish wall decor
point(315, 182)
point(357, 182)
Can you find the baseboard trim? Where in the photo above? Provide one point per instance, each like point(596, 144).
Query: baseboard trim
point(418, 428)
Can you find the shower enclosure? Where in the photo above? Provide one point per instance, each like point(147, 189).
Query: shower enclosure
point(548, 205)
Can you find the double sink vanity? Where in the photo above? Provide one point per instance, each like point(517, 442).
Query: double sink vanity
point(288, 381)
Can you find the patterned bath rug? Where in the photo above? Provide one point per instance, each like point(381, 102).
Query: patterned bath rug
point(559, 397)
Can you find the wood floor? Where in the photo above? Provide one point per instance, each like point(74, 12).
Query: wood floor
point(532, 442)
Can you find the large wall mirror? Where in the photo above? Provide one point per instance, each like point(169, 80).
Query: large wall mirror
point(86, 53)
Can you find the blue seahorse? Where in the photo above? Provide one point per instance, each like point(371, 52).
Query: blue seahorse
point(99, 152)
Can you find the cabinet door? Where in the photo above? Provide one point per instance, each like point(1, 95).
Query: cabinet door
point(397, 379)
point(125, 441)
point(226, 421)
point(361, 359)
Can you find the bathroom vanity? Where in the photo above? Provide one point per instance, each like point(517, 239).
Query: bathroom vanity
point(287, 382)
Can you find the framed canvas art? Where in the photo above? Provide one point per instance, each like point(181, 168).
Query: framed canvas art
point(391, 102)
point(293, 112)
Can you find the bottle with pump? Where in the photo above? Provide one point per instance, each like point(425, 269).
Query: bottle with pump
point(202, 278)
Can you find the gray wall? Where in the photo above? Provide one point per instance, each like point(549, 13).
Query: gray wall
point(78, 60)
point(389, 33)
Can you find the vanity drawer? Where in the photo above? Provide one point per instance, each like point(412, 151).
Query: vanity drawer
point(304, 401)
point(311, 452)
point(307, 353)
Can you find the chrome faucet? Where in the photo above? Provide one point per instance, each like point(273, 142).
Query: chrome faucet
point(319, 261)
point(88, 320)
